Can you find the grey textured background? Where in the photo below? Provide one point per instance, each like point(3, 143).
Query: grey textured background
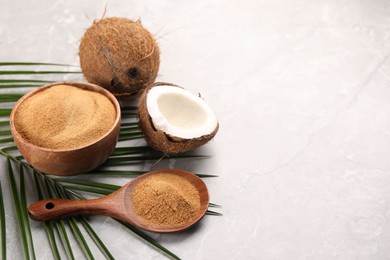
point(301, 90)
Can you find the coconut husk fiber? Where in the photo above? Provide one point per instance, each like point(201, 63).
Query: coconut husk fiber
point(162, 141)
point(120, 55)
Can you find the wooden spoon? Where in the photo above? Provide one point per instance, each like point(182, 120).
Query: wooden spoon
point(119, 205)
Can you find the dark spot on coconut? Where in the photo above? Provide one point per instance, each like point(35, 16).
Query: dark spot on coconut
point(116, 85)
point(169, 138)
point(133, 73)
point(174, 139)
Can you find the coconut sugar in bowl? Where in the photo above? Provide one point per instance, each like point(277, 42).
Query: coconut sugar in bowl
point(66, 128)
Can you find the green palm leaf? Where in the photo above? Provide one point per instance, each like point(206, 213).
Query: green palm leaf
point(74, 227)
point(52, 239)
point(152, 242)
point(64, 238)
point(33, 64)
point(60, 224)
point(2, 81)
point(2, 226)
point(105, 186)
point(19, 85)
point(5, 132)
point(7, 149)
point(23, 208)
point(5, 111)
point(30, 72)
point(68, 188)
point(68, 194)
point(117, 173)
point(99, 243)
point(6, 140)
point(47, 225)
point(80, 238)
point(213, 213)
point(88, 189)
point(18, 209)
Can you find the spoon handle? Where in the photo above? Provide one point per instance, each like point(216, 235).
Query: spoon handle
point(50, 209)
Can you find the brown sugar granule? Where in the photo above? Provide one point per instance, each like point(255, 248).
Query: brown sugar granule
point(64, 117)
point(166, 199)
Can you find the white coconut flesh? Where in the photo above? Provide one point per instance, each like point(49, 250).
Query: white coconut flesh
point(180, 113)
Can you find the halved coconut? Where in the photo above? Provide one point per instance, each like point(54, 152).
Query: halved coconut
point(174, 120)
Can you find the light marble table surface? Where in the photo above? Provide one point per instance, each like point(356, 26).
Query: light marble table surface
point(302, 93)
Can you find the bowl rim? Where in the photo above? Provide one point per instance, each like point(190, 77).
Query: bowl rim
point(90, 87)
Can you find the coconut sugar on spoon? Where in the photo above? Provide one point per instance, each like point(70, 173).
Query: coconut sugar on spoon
point(64, 117)
point(166, 199)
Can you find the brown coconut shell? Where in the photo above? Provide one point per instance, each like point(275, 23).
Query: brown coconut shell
point(120, 55)
point(160, 140)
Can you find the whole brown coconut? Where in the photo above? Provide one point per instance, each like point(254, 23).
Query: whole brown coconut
point(120, 55)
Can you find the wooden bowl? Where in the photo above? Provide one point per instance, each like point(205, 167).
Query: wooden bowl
point(68, 161)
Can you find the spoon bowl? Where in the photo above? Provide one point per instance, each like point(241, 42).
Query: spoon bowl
point(119, 205)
